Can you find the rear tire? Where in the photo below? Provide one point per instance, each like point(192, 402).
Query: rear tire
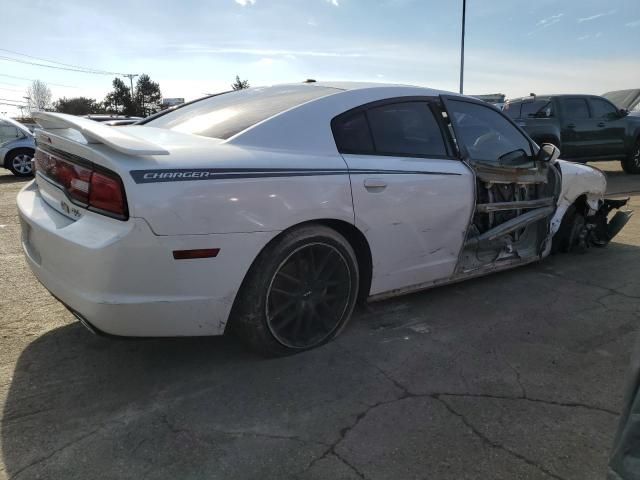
point(631, 164)
point(299, 293)
point(19, 162)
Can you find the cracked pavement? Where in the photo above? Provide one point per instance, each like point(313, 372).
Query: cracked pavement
point(514, 376)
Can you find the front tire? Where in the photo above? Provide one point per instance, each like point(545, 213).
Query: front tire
point(299, 293)
point(631, 164)
point(19, 162)
point(568, 237)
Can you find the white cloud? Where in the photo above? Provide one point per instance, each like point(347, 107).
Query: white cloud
point(244, 3)
point(335, 3)
point(265, 62)
point(266, 52)
point(597, 15)
point(633, 24)
point(547, 22)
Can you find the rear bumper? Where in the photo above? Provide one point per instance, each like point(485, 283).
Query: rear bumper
point(122, 278)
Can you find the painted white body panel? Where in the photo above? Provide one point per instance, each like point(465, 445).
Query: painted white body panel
point(123, 278)
point(121, 275)
point(577, 180)
point(415, 224)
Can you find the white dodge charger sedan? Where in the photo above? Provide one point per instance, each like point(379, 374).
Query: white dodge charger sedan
point(271, 211)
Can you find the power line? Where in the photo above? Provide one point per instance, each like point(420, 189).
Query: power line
point(12, 100)
point(33, 79)
point(68, 69)
point(59, 63)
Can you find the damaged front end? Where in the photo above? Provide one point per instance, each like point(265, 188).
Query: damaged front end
point(584, 227)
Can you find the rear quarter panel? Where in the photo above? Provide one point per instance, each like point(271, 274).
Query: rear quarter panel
point(253, 202)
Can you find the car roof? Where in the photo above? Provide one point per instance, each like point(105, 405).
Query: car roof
point(353, 86)
point(16, 124)
point(550, 96)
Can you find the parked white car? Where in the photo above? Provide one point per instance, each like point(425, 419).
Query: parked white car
point(17, 147)
point(271, 211)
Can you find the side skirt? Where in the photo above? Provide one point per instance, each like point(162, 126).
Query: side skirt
point(459, 277)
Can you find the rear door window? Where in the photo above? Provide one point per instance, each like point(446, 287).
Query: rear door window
point(576, 108)
point(407, 128)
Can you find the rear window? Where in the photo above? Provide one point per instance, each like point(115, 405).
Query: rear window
point(536, 109)
point(223, 116)
point(352, 134)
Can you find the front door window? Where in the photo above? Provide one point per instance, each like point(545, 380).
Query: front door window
point(488, 137)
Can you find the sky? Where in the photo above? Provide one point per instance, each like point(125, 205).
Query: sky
point(197, 47)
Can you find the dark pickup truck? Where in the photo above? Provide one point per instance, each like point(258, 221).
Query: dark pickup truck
point(584, 127)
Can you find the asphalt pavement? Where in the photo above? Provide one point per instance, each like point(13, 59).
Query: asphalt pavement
point(518, 375)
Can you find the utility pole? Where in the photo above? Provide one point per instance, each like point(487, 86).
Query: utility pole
point(131, 76)
point(464, 12)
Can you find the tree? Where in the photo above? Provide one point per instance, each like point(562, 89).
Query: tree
point(38, 96)
point(119, 99)
point(77, 106)
point(240, 84)
point(148, 96)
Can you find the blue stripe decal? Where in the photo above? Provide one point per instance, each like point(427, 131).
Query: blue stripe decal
point(190, 174)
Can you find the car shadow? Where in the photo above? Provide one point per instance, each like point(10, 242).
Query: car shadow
point(68, 385)
point(8, 179)
point(69, 374)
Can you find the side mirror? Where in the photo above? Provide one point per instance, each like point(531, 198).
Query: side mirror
point(548, 153)
point(623, 112)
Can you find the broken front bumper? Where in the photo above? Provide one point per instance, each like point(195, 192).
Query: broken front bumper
point(599, 230)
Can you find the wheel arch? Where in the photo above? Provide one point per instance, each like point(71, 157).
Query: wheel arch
point(352, 235)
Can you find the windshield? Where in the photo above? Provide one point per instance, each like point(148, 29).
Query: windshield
point(222, 116)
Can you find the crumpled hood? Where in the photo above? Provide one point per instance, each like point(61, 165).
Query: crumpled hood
point(626, 99)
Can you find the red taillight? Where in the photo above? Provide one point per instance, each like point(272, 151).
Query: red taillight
point(94, 189)
point(106, 194)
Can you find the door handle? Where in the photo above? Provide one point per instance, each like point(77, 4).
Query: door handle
point(571, 125)
point(374, 184)
point(601, 124)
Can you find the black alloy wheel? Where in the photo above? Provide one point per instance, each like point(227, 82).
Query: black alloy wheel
point(308, 296)
point(299, 292)
point(632, 163)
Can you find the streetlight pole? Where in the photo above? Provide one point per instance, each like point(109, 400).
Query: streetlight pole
point(464, 12)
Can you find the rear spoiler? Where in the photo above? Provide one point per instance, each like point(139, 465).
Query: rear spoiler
point(95, 132)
